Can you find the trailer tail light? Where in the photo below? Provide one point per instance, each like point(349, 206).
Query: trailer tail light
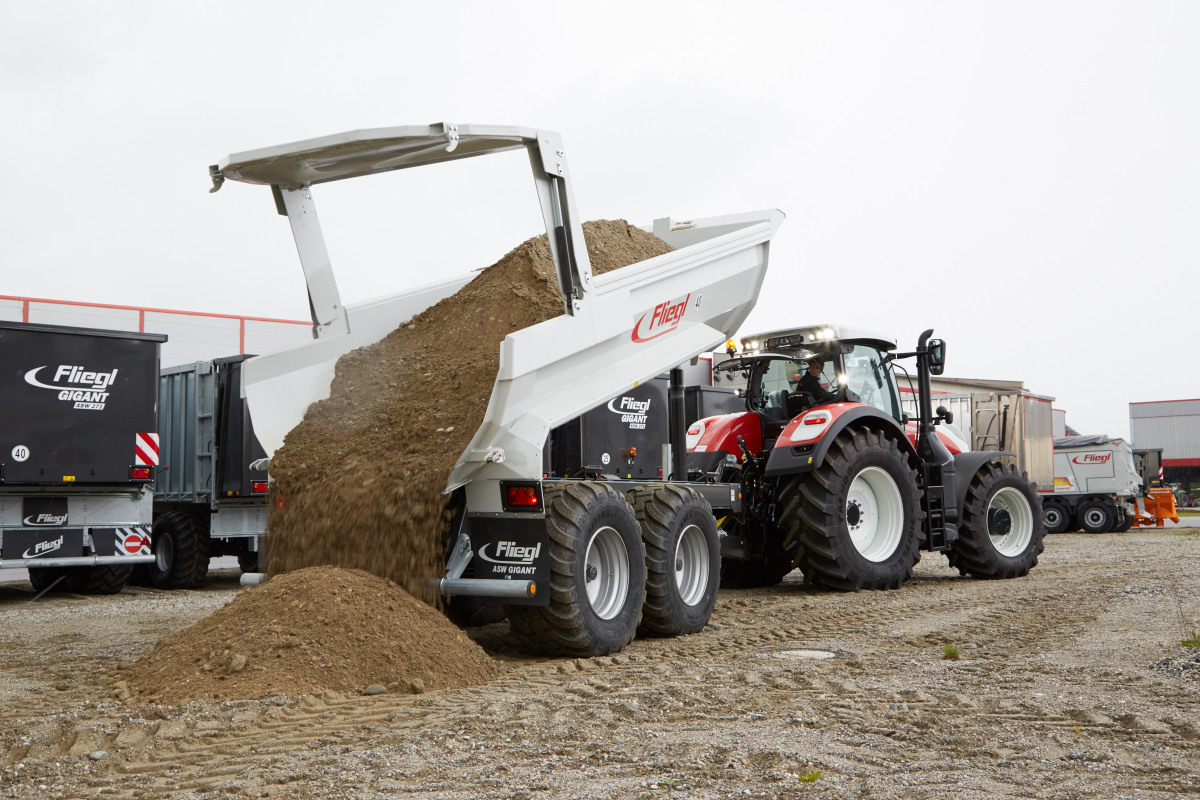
point(523, 496)
point(258, 487)
point(141, 473)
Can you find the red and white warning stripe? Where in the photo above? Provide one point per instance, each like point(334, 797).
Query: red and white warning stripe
point(132, 542)
point(145, 449)
point(1160, 471)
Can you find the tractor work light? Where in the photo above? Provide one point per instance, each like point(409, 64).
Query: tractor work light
point(522, 496)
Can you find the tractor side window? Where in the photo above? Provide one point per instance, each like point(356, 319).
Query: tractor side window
point(777, 381)
point(871, 379)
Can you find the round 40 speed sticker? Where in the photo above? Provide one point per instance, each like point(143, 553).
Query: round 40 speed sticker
point(20, 453)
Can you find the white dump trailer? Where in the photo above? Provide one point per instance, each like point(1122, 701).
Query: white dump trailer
point(579, 563)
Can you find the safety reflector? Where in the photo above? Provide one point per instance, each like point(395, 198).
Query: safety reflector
point(145, 449)
point(140, 473)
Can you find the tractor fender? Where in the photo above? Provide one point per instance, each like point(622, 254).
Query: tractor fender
point(790, 457)
point(969, 463)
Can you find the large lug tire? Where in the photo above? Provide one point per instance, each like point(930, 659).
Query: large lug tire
point(1096, 516)
point(101, 579)
point(44, 578)
point(1001, 531)
point(683, 558)
point(180, 545)
point(597, 575)
point(1055, 517)
point(857, 516)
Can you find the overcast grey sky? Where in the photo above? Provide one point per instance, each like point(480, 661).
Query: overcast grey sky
point(1021, 176)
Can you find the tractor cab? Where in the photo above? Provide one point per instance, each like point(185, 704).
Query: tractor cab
point(791, 371)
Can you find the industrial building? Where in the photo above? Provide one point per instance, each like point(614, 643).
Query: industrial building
point(191, 335)
point(1173, 426)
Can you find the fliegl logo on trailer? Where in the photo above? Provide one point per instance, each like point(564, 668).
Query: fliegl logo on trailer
point(76, 384)
point(1091, 458)
point(663, 318)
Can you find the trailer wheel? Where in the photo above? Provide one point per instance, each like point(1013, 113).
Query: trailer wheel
point(597, 575)
point(180, 546)
point(101, 579)
point(857, 516)
point(1055, 517)
point(44, 578)
point(1096, 516)
point(683, 559)
point(248, 560)
point(1001, 530)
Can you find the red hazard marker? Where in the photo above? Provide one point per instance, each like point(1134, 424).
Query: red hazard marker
point(145, 449)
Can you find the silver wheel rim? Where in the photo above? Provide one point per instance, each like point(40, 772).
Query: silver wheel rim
point(691, 565)
point(1095, 517)
point(164, 555)
point(1012, 542)
point(1052, 517)
point(874, 514)
point(606, 573)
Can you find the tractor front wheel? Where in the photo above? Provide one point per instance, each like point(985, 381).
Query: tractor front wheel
point(1001, 531)
point(857, 516)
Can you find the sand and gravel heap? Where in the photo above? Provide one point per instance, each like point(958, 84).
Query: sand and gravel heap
point(312, 630)
point(359, 482)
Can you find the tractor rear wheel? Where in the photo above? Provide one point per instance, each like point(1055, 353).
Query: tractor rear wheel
point(1055, 517)
point(1001, 530)
point(180, 546)
point(857, 516)
point(597, 575)
point(1096, 516)
point(683, 559)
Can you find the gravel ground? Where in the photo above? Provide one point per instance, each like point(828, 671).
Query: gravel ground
point(1071, 683)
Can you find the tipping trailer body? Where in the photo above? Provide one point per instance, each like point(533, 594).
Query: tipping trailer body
point(619, 330)
point(1096, 485)
point(78, 446)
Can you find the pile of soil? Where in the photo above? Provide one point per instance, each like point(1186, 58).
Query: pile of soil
point(311, 630)
point(358, 483)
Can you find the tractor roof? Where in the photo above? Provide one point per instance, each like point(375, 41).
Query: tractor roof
point(815, 336)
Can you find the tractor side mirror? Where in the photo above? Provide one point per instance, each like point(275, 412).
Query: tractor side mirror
point(944, 415)
point(937, 356)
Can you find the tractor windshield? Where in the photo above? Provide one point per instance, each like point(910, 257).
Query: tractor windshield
point(872, 380)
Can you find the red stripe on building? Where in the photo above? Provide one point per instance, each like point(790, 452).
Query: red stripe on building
point(1181, 462)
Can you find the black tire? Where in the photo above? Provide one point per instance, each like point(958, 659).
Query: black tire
point(1124, 520)
point(737, 574)
point(180, 545)
point(101, 579)
point(248, 560)
point(595, 544)
point(472, 612)
point(1096, 516)
point(683, 559)
point(43, 578)
point(1001, 531)
point(1055, 517)
point(857, 516)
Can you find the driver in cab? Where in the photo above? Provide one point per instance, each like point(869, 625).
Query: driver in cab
point(811, 383)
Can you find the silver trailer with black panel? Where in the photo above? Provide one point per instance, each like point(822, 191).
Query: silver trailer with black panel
point(78, 453)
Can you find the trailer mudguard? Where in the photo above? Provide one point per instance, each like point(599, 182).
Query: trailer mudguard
point(815, 430)
point(720, 434)
point(967, 464)
point(511, 548)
